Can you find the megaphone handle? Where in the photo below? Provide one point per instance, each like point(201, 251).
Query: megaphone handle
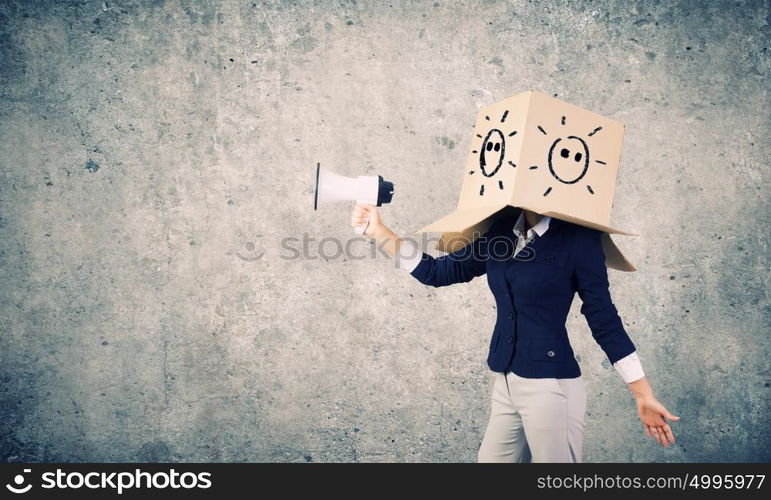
point(363, 227)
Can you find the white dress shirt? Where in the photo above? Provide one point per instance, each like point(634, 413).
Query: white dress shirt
point(539, 229)
point(629, 367)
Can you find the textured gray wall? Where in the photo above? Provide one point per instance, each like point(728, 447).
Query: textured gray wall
point(151, 151)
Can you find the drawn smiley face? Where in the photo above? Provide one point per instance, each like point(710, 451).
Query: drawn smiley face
point(568, 159)
point(492, 152)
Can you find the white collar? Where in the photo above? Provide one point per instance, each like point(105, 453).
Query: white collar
point(539, 229)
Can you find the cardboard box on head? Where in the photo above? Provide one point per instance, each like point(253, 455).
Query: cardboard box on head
point(542, 154)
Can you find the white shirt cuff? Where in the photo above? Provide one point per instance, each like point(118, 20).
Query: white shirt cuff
point(409, 256)
point(630, 368)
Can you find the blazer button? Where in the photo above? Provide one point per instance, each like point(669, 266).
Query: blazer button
point(511, 340)
point(549, 259)
point(550, 354)
point(510, 316)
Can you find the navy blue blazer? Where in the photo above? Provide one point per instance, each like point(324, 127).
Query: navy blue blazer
point(533, 293)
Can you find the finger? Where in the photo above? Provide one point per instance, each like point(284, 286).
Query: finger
point(668, 433)
point(665, 438)
point(662, 438)
point(655, 431)
point(655, 435)
point(664, 441)
point(670, 416)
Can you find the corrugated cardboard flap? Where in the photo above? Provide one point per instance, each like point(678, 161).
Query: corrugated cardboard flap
point(464, 225)
point(614, 259)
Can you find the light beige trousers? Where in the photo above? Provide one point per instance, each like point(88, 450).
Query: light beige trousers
point(535, 419)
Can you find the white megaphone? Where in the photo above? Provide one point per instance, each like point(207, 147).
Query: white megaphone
point(369, 189)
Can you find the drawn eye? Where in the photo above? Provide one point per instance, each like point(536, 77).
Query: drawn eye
point(497, 146)
point(578, 157)
point(489, 146)
point(565, 153)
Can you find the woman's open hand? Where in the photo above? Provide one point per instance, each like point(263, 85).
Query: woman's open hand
point(652, 413)
point(654, 417)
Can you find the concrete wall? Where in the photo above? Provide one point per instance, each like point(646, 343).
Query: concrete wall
point(155, 154)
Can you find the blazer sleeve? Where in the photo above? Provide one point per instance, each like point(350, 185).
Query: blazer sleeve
point(457, 267)
point(590, 279)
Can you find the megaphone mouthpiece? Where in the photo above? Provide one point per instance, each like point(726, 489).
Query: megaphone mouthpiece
point(385, 191)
